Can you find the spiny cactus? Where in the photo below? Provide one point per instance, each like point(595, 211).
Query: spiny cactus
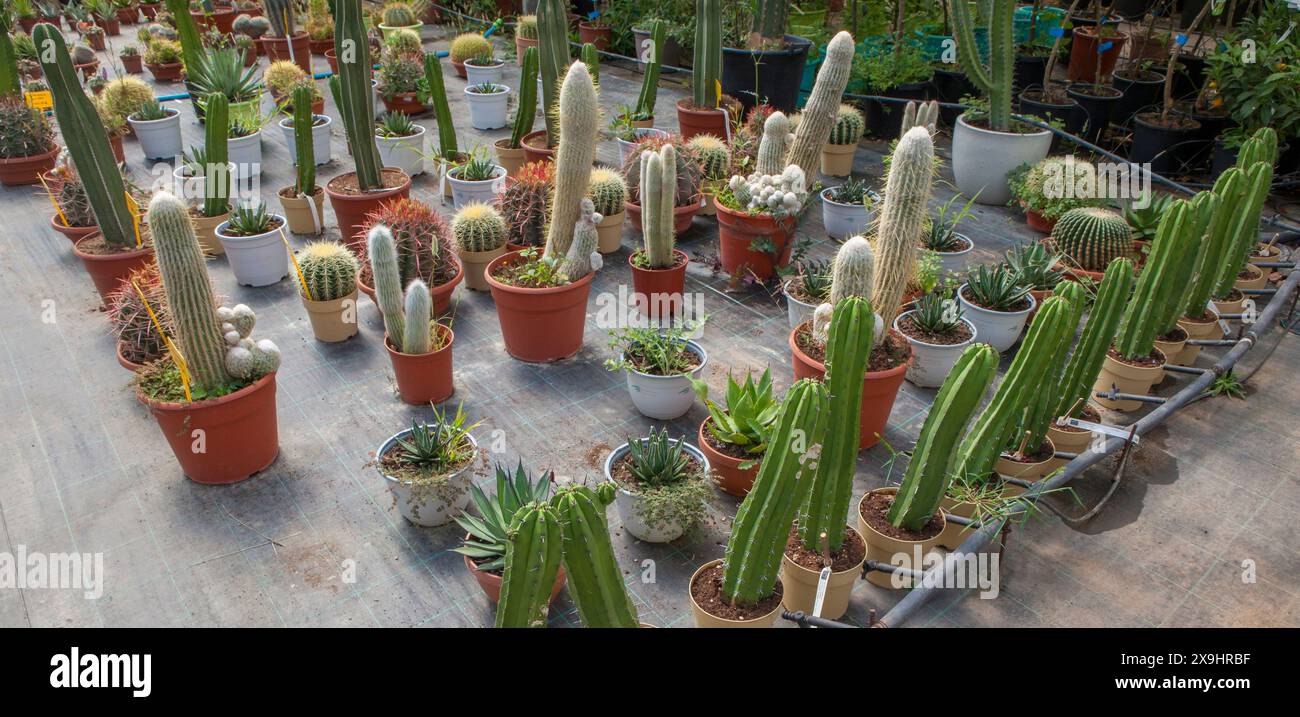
point(1160, 282)
point(527, 202)
point(398, 14)
point(329, 270)
point(352, 93)
point(534, 550)
point(772, 147)
point(478, 227)
point(402, 42)
point(645, 101)
point(526, 27)
point(762, 524)
point(441, 110)
point(1259, 147)
point(382, 253)
point(902, 219)
point(418, 310)
point(607, 191)
point(994, 80)
point(926, 115)
point(848, 127)
point(595, 581)
point(687, 172)
point(579, 128)
point(1230, 188)
point(280, 13)
point(708, 53)
point(1204, 205)
point(590, 57)
point(526, 111)
point(657, 181)
point(852, 271)
point(1092, 237)
point(1042, 407)
point(578, 261)
point(712, 155)
point(820, 112)
point(930, 470)
point(1244, 232)
point(1103, 320)
point(125, 96)
point(304, 145)
point(467, 45)
point(246, 360)
point(216, 184)
point(780, 195)
point(553, 55)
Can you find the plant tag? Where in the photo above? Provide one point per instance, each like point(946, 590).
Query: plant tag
point(134, 209)
point(593, 14)
point(823, 580)
point(177, 358)
point(1057, 31)
point(40, 100)
point(1223, 323)
point(50, 194)
point(302, 280)
point(1117, 431)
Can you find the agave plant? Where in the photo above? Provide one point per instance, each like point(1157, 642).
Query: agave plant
point(996, 289)
point(1145, 221)
point(486, 544)
point(941, 232)
point(1035, 266)
point(658, 460)
point(395, 124)
point(223, 71)
point(937, 314)
point(751, 410)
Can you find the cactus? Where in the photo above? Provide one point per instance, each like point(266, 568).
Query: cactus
point(769, 23)
point(382, 253)
point(924, 115)
point(526, 112)
point(902, 219)
point(304, 147)
point(852, 271)
point(467, 45)
point(216, 185)
point(125, 96)
point(553, 57)
point(187, 31)
point(352, 94)
point(774, 144)
point(780, 195)
point(82, 55)
point(1230, 188)
point(577, 261)
point(707, 67)
point(441, 110)
point(658, 177)
point(712, 155)
point(607, 191)
point(595, 581)
point(526, 27)
point(246, 359)
point(848, 347)
point(1042, 408)
point(478, 227)
point(579, 128)
point(329, 270)
point(848, 127)
point(688, 171)
point(645, 101)
point(1085, 363)
point(590, 57)
point(1160, 282)
point(86, 140)
point(931, 468)
point(398, 15)
point(1244, 231)
point(994, 80)
point(534, 550)
point(1259, 147)
point(398, 43)
point(526, 204)
point(823, 108)
point(762, 524)
point(1092, 237)
point(418, 309)
point(280, 13)
point(9, 84)
point(1204, 205)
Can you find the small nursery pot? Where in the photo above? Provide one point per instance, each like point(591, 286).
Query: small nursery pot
point(658, 292)
point(893, 551)
point(625, 147)
point(982, 159)
point(169, 72)
point(474, 263)
point(800, 585)
point(465, 192)
point(480, 74)
point(955, 261)
point(1020, 470)
point(727, 473)
point(350, 208)
point(239, 430)
point(21, 171)
point(1264, 253)
point(706, 619)
point(334, 320)
point(390, 30)
point(628, 503)
point(1257, 279)
point(159, 139)
point(426, 508)
point(953, 534)
point(424, 378)
point(844, 220)
point(609, 233)
point(320, 138)
point(405, 153)
point(1171, 349)
point(1136, 380)
point(664, 397)
point(931, 363)
point(487, 110)
point(1196, 330)
point(521, 46)
point(1068, 440)
point(535, 149)
point(512, 158)
point(245, 153)
point(108, 271)
point(737, 232)
point(797, 311)
point(999, 329)
point(837, 159)
point(306, 215)
point(540, 325)
point(879, 389)
point(205, 230)
point(694, 121)
point(1038, 222)
point(72, 233)
point(490, 583)
point(259, 260)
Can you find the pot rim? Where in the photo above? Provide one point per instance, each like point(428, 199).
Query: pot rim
point(443, 328)
point(379, 138)
point(785, 290)
point(175, 407)
point(967, 304)
point(970, 246)
point(497, 64)
point(174, 116)
point(309, 303)
point(527, 290)
point(875, 197)
point(974, 334)
point(31, 157)
point(894, 490)
point(324, 125)
point(961, 120)
point(798, 45)
point(718, 561)
point(383, 448)
point(477, 182)
point(643, 132)
point(381, 193)
point(284, 222)
point(723, 458)
point(76, 249)
point(620, 451)
point(503, 90)
point(694, 347)
point(787, 562)
point(636, 268)
point(866, 375)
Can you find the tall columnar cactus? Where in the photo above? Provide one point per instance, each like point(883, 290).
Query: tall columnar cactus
point(821, 111)
point(579, 128)
point(280, 13)
point(1204, 205)
point(187, 32)
point(994, 80)
point(352, 92)
point(190, 301)
point(216, 183)
point(526, 111)
point(658, 179)
point(931, 468)
point(418, 310)
point(329, 270)
point(997, 425)
point(848, 127)
point(848, 347)
point(595, 581)
point(441, 110)
point(478, 227)
point(645, 101)
point(1159, 283)
point(577, 261)
point(708, 53)
point(304, 147)
point(926, 115)
point(1092, 237)
point(774, 144)
point(762, 524)
point(1042, 408)
point(553, 54)
point(769, 23)
point(852, 271)
point(1230, 188)
point(1085, 363)
point(388, 282)
point(1244, 232)
point(902, 219)
point(590, 57)
point(9, 84)
point(534, 550)
point(1260, 147)
point(86, 139)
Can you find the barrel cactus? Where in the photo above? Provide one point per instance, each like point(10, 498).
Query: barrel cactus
point(1092, 237)
point(478, 227)
point(526, 203)
point(903, 215)
point(772, 147)
point(712, 156)
point(848, 127)
point(125, 96)
point(822, 110)
point(607, 191)
point(595, 581)
point(468, 45)
point(398, 14)
point(526, 27)
point(329, 271)
point(579, 129)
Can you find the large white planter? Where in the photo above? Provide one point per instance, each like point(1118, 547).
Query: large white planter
point(629, 508)
point(159, 139)
point(246, 154)
point(982, 159)
point(931, 363)
point(845, 220)
point(796, 311)
point(405, 153)
point(955, 261)
point(664, 397)
point(999, 329)
point(259, 260)
point(320, 138)
point(478, 74)
point(190, 188)
point(488, 110)
point(429, 508)
point(485, 191)
point(625, 147)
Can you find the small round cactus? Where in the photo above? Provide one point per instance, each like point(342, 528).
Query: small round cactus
point(478, 227)
point(1092, 237)
point(82, 55)
point(126, 95)
point(777, 194)
point(526, 27)
point(281, 75)
point(329, 270)
point(712, 154)
point(403, 42)
point(398, 15)
point(848, 127)
point(607, 191)
point(468, 45)
point(852, 272)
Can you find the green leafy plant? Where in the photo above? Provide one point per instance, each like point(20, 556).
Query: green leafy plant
point(223, 72)
point(652, 351)
point(150, 111)
point(489, 530)
point(439, 446)
point(395, 124)
point(658, 460)
point(812, 281)
point(1145, 220)
point(854, 191)
point(1229, 384)
point(1034, 266)
point(937, 314)
point(751, 411)
point(1042, 187)
point(250, 219)
point(941, 232)
point(478, 168)
point(996, 289)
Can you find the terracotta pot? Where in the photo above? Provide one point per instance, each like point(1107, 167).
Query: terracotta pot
point(512, 158)
point(205, 230)
point(540, 325)
point(1038, 222)
point(133, 64)
point(108, 271)
point(239, 430)
point(693, 121)
point(405, 102)
point(800, 585)
point(953, 534)
point(124, 362)
point(332, 58)
point(1136, 380)
point(89, 69)
point(111, 27)
point(222, 18)
point(72, 233)
point(165, 73)
point(115, 144)
point(127, 15)
point(879, 389)
point(21, 171)
point(522, 44)
point(459, 67)
point(704, 619)
point(682, 216)
point(658, 292)
point(610, 233)
point(332, 321)
point(1020, 470)
point(96, 43)
point(319, 47)
point(837, 159)
point(884, 549)
point(535, 149)
point(491, 584)
point(424, 378)
point(27, 23)
point(727, 472)
point(1199, 330)
point(150, 9)
point(474, 263)
point(350, 210)
point(737, 231)
point(1084, 61)
point(306, 215)
point(441, 294)
point(277, 48)
point(598, 35)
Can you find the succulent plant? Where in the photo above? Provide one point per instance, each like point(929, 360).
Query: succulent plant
point(849, 125)
point(526, 27)
point(303, 142)
point(125, 96)
point(553, 57)
point(1218, 247)
point(534, 550)
point(1162, 283)
point(994, 80)
point(687, 187)
point(1042, 407)
point(421, 238)
point(595, 581)
point(747, 420)
point(468, 45)
point(434, 92)
point(925, 114)
point(329, 270)
point(526, 111)
point(216, 165)
point(250, 26)
point(352, 94)
point(489, 530)
point(579, 129)
point(402, 42)
point(1244, 232)
point(281, 75)
point(822, 110)
point(69, 193)
point(1034, 266)
point(1098, 333)
point(578, 260)
point(712, 155)
point(478, 227)
point(1092, 237)
point(398, 14)
point(780, 195)
point(607, 191)
point(708, 53)
point(406, 321)
point(138, 337)
point(526, 203)
point(24, 131)
point(645, 101)
point(281, 15)
point(772, 148)
point(997, 288)
point(902, 219)
point(657, 182)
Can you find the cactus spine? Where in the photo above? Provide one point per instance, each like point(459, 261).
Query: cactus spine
point(478, 227)
point(931, 468)
point(645, 101)
point(329, 271)
point(86, 139)
point(848, 127)
point(607, 191)
point(762, 524)
point(1043, 405)
point(534, 549)
point(994, 80)
point(820, 113)
point(303, 145)
point(553, 54)
point(924, 115)
point(1244, 231)
point(577, 260)
point(1085, 363)
point(1203, 208)
point(708, 53)
point(441, 110)
point(579, 128)
point(352, 93)
point(595, 581)
point(216, 184)
point(772, 147)
point(388, 283)
point(418, 311)
point(1158, 284)
point(902, 220)
point(1230, 188)
point(526, 112)
point(848, 346)
point(189, 293)
point(280, 13)
point(658, 180)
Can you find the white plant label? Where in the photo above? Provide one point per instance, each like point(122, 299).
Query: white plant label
point(1116, 431)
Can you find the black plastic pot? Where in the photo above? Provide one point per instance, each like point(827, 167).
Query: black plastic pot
point(1096, 108)
point(1139, 92)
point(885, 119)
point(1070, 114)
point(1028, 72)
point(194, 101)
point(672, 51)
point(777, 74)
point(1167, 149)
point(1212, 126)
point(1192, 8)
point(1132, 9)
point(951, 86)
point(1189, 74)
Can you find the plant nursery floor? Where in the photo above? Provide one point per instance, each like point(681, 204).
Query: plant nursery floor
point(316, 540)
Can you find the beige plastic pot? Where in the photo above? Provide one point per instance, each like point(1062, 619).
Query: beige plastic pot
point(705, 619)
point(335, 320)
point(892, 551)
point(1136, 380)
point(837, 159)
point(610, 233)
point(475, 263)
point(800, 585)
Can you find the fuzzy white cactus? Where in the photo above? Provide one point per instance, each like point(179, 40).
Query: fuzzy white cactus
point(780, 195)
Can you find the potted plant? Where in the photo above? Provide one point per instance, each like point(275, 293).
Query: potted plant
point(995, 302)
point(847, 209)
point(897, 69)
point(477, 179)
point(837, 153)
point(163, 58)
point(759, 60)
point(808, 287)
point(510, 151)
point(132, 60)
point(942, 238)
point(396, 16)
point(467, 46)
point(526, 204)
point(487, 105)
point(658, 270)
point(660, 367)
point(228, 389)
point(1036, 268)
point(399, 82)
point(286, 41)
point(254, 245)
point(428, 468)
point(73, 217)
point(705, 112)
point(433, 92)
point(320, 137)
point(713, 157)
point(608, 194)
point(319, 26)
point(553, 57)
point(662, 486)
point(756, 221)
point(400, 142)
point(424, 251)
point(733, 439)
point(480, 235)
point(279, 78)
point(158, 128)
point(1030, 190)
point(1157, 133)
point(244, 147)
point(222, 72)
point(643, 113)
point(206, 176)
point(329, 290)
point(304, 201)
point(938, 334)
point(525, 35)
point(27, 145)
point(104, 16)
point(1088, 239)
point(484, 68)
point(138, 340)
point(627, 134)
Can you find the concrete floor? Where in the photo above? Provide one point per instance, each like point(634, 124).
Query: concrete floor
point(316, 540)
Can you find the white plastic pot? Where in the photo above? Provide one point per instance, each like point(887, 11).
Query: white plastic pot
point(429, 508)
point(405, 153)
point(796, 310)
point(159, 139)
point(478, 74)
point(955, 261)
point(625, 147)
point(488, 110)
point(320, 138)
point(982, 159)
point(628, 504)
point(259, 260)
point(999, 329)
point(190, 188)
point(245, 153)
point(664, 397)
point(485, 191)
point(374, 98)
point(931, 363)
point(846, 220)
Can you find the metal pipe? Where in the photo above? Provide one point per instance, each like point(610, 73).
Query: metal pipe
point(1211, 342)
point(805, 620)
point(1121, 396)
point(1274, 264)
point(1170, 368)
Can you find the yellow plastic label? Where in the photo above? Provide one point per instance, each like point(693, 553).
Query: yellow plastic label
point(50, 194)
point(40, 100)
point(301, 279)
point(177, 358)
point(134, 208)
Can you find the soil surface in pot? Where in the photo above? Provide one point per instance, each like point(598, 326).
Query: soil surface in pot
point(445, 272)
point(850, 553)
point(1091, 90)
point(1173, 337)
point(391, 465)
point(97, 246)
point(1018, 306)
point(1250, 273)
point(622, 471)
point(347, 183)
point(875, 509)
point(161, 381)
point(890, 353)
point(271, 226)
point(1040, 454)
point(645, 365)
point(962, 243)
point(1017, 127)
point(730, 450)
point(639, 261)
point(1151, 360)
point(1053, 96)
point(795, 289)
point(958, 335)
point(1089, 414)
point(514, 274)
point(1173, 121)
point(706, 590)
point(1204, 317)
